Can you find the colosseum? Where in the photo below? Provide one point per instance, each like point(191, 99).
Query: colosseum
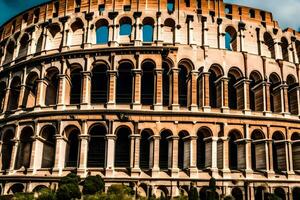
point(158, 95)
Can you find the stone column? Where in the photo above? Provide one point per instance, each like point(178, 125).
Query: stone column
point(222, 93)
point(63, 91)
point(295, 56)
point(14, 155)
point(190, 19)
point(174, 90)
point(1, 144)
point(36, 154)
point(266, 98)
point(155, 153)
point(110, 157)
point(290, 156)
point(204, 31)
point(221, 34)
point(173, 162)
point(88, 33)
point(21, 96)
point(241, 36)
point(158, 90)
point(278, 55)
point(225, 155)
point(269, 157)
point(112, 76)
point(214, 149)
point(6, 99)
point(159, 25)
point(83, 153)
point(192, 90)
point(137, 86)
point(41, 93)
point(243, 87)
point(137, 29)
point(204, 91)
point(193, 157)
point(86, 89)
point(285, 99)
point(60, 154)
point(135, 155)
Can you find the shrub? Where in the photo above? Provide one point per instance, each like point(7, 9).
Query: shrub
point(68, 188)
point(46, 194)
point(119, 192)
point(93, 184)
point(229, 197)
point(193, 193)
point(23, 196)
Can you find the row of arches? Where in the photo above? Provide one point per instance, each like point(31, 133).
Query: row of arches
point(169, 143)
point(261, 94)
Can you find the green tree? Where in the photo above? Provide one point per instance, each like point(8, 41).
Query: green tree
point(46, 194)
point(68, 188)
point(193, 193)
point(23, 196)
point(229, 197)
point(92, 185)
point(119, 192)
point(211, 192)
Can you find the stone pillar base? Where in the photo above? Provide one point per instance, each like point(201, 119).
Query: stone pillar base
point(225, 173)
point(109, 172)
point(110, 105)
point(174, 172)
point(193, 172)
point(291, 174)
point(270, 174)
point(135, 172)
point(175, 107)
point(267, 113)
point(61, 107)
point(137, 43)
point(193, 108)
point(136, 106)
point(157, 107)
point(82, 172)
point(247, 112)
point(225, 110)
point(248, 173)
point(87, 45)
point(155, 172)
point(57, 172)
point(286, 114)
point(113, 44)
point(85, 106)
point(206, 109)
point(159, 42)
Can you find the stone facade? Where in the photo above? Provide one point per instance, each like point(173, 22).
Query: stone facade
point(154, 94)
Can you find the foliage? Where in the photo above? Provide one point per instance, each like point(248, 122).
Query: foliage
point(68, 188)
point(46, 194)
point(193, 193)
point(229, 197)
point(114, 192)
point(273, 197)
point(23, 196)
point(93, 184)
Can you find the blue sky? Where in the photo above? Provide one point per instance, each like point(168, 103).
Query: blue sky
point(285, 11)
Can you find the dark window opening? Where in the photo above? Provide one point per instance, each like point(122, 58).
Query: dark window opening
point(170, 6)
point(122, 148)
point(55, 9)
point(164, 150)
point(145, 150)
point(147, 94)
point(97, 147)
point(75, 95)
point(182, 86)
point(99, 92)
point(232, 96)
point(166, 84)
point(72, 149)
point(124, 84)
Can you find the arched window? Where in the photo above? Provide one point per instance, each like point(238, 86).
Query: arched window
point(234, 76)
point(166, 83)
point(24, 148)
point(148, 27)
point(258, 156)
point(279, 156)
point(147, 93)
point(75, 94)
point(203, 147)
point(284, 49)
point(296, 151)
point(233, 150)
point(292, 95)
point(97, 146)
point(275, 94)
point(170, 6)
point(2, 94)
point(99, 84)
point(9, 52)
point(14, 93)
point(230, 39)
point(7, 147)
point(125, 26)
point(72, 147)
point(122, 147)
point(31, 90)
point(279, 192)
point(23, 46)
point(102, 32)
point(52, 86)
point(256, 92)
point(296, 193)
point(169, 31)
point(145, 150)
point(183, 151)
point(124, 83)
point(182, 85)
point(48, 135)
point(164, 150)
point(215, 88)
point(269, 44)
point(54, 38)
point(77, 32)
point(16, 188)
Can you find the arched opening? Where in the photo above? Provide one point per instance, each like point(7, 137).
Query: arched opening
point(99, 86)
point(2, 94)
point(75, 94)
point(182, 85)
point(292, 94)
point(147, 93)
point(296, 193)
point(52, 86)
point(124, 83)
point(102, 32)
point(215, 88)
point(166, 84)
point(296, 151)
point(31, 90)
point(39, 188)
point(233, 149)
point(72, 148)
point(148, 27)
point(260, 193)
point(256, 92)
point(77, 32)
point(269, 45)
point(284, 49)
point(234, 94)
point(203, 148)
point(237, 193)
point(169, 31)
point(54, 38)
point(24, 148)
point(10, 48)
point(258, 155)
point(48, 134)
point(183, 150)
point(14, 93)
point(125, 26)
point(122, 147)
point(7, 147)
point(275, 93)
point(164, 151)
point(16, 188)
point(279, 192)
point(279, 159)
point(23, 46)
point(146, 154)
point(230, 39)
point(97, 146)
